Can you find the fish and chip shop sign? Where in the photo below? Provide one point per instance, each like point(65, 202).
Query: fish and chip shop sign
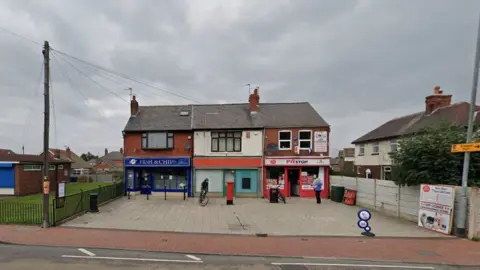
point(157, 162)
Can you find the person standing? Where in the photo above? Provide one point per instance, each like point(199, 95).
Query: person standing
point(318, 186)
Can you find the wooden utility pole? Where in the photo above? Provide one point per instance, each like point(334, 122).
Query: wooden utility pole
point(46, 127)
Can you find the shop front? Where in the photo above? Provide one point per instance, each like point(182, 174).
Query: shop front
point(245, 172)
point(295, 175)
point(158, 174)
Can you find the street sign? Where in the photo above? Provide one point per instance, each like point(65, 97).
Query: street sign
point(466, 147)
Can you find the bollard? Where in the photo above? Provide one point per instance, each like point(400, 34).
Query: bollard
point(165, 191)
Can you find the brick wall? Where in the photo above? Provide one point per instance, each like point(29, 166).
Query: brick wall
point(132, 145)
point(272, 138)
point(30, 182)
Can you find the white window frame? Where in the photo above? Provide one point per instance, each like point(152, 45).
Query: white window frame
point(305, 140)
point(32, 167)
point(392, 143)
point(361, 149)
point(279, 140)
point(376, 145)
point(51, 167)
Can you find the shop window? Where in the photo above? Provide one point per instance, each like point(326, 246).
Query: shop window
point(285, 140)
point(32, 167)
point(157, 140)
point(227, 141)
point(246, 183)
point(305, 139)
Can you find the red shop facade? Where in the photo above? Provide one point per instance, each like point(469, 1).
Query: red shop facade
point(295, 175)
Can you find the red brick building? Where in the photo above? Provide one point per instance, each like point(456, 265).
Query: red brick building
point(22, 174)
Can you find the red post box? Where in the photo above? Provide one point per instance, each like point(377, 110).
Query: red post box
point(229, 192)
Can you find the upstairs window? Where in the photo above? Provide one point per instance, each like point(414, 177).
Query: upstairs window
point(157, 140)
point(305, 139)
point(285, 140)
point(361, 149)
point(32, 167)
point(375, 148)
point(393, 146)
point(226, 141)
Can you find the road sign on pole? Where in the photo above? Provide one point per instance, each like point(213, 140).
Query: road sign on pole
point(466, 147)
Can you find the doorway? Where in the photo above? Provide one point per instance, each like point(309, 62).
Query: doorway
point(293, 181)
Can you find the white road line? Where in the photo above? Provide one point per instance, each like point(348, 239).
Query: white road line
point(86, 252)
point(130, 259)
point(193, 257)
point(358, 265)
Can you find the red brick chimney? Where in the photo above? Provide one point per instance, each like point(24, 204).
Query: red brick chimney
point(437, 100)
point(254, 101)
point(69, 153)
point(106, 151)
point(133, 106)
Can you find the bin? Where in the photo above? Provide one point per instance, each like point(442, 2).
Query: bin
point(337, 193)
point(274, 195)
point(93, 202)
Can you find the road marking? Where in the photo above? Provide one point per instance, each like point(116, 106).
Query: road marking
point(86, 252)
point(193, 257)
point(359, 265)
point(130, 259)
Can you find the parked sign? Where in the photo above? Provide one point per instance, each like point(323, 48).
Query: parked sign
point(436, 208)
point(297, 161)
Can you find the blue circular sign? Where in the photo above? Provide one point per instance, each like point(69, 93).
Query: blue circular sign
point(368, 229)
point(362, 224)
point(364, 214)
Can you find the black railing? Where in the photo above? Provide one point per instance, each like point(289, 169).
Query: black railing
point(20, 213)
point(75, 204)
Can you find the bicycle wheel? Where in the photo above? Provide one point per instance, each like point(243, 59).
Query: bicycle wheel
point(204, 202)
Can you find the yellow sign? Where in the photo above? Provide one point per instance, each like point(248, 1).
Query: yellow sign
point(46, 187)
point(466, 147)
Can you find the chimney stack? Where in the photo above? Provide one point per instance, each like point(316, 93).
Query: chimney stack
point(254, 101)
point(121, 151)
point(106, 151)
point(437, 100)
point(69, 153)
point(133, 106)
point(56, 153)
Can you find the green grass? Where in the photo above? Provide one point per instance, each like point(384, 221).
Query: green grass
point(70, 189)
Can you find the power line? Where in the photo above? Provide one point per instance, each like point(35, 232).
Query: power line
point(20, 36)
point(103, 87)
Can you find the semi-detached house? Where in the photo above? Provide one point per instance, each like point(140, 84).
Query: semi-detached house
point(372, 150)
point(250, 143)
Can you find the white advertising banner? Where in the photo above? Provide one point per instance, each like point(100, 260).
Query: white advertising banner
point(320, 141)
point(61, 190)
point(436, 208)
point(297, 161)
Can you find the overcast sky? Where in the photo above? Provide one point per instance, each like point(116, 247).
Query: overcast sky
point(359, 63)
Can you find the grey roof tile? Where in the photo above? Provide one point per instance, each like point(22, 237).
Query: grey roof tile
point(160, 118)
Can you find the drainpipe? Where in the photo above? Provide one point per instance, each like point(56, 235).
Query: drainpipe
point(262, 173)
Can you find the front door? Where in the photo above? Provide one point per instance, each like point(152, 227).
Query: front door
point(293, 175)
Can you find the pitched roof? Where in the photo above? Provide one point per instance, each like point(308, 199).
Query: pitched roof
point(77, 161)
point(115, 155)
point(409, 124)
point(225, 116)
point(29, 158)
point(160, 118)
point(6, 152)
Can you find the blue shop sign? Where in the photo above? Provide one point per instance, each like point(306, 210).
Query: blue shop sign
point(157, 162)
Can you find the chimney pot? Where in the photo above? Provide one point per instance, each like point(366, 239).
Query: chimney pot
point(69, 152)
point(254, 101)
point(437, 100)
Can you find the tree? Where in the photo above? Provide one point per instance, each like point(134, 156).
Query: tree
point(426, 158)
point(88, 156)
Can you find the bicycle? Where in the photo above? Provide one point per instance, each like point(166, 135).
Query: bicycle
point(280, 195)
point(203, 198)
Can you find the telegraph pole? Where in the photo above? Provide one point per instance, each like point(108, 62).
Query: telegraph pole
point(463, 203)
point(46, 123)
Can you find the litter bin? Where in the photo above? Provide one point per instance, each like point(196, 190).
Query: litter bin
point(274, 195)
point(337, 193)
point(93, 202)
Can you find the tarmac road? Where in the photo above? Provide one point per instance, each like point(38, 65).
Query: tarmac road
point(16, 257)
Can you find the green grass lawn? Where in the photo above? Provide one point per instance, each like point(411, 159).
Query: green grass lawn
point(71, 188)
point(28, 209)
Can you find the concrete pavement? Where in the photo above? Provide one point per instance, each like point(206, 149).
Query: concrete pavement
point(15, 257)
point(299, 217)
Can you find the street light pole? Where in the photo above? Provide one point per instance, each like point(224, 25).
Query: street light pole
point(463, 203)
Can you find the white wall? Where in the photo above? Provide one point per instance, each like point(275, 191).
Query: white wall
point(250, 146)
point(386, 197)
point(7, 191)
point(383, 157)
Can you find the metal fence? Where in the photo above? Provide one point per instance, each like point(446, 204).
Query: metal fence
point(61, 209)
point(73, 205)
point(20, 213)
